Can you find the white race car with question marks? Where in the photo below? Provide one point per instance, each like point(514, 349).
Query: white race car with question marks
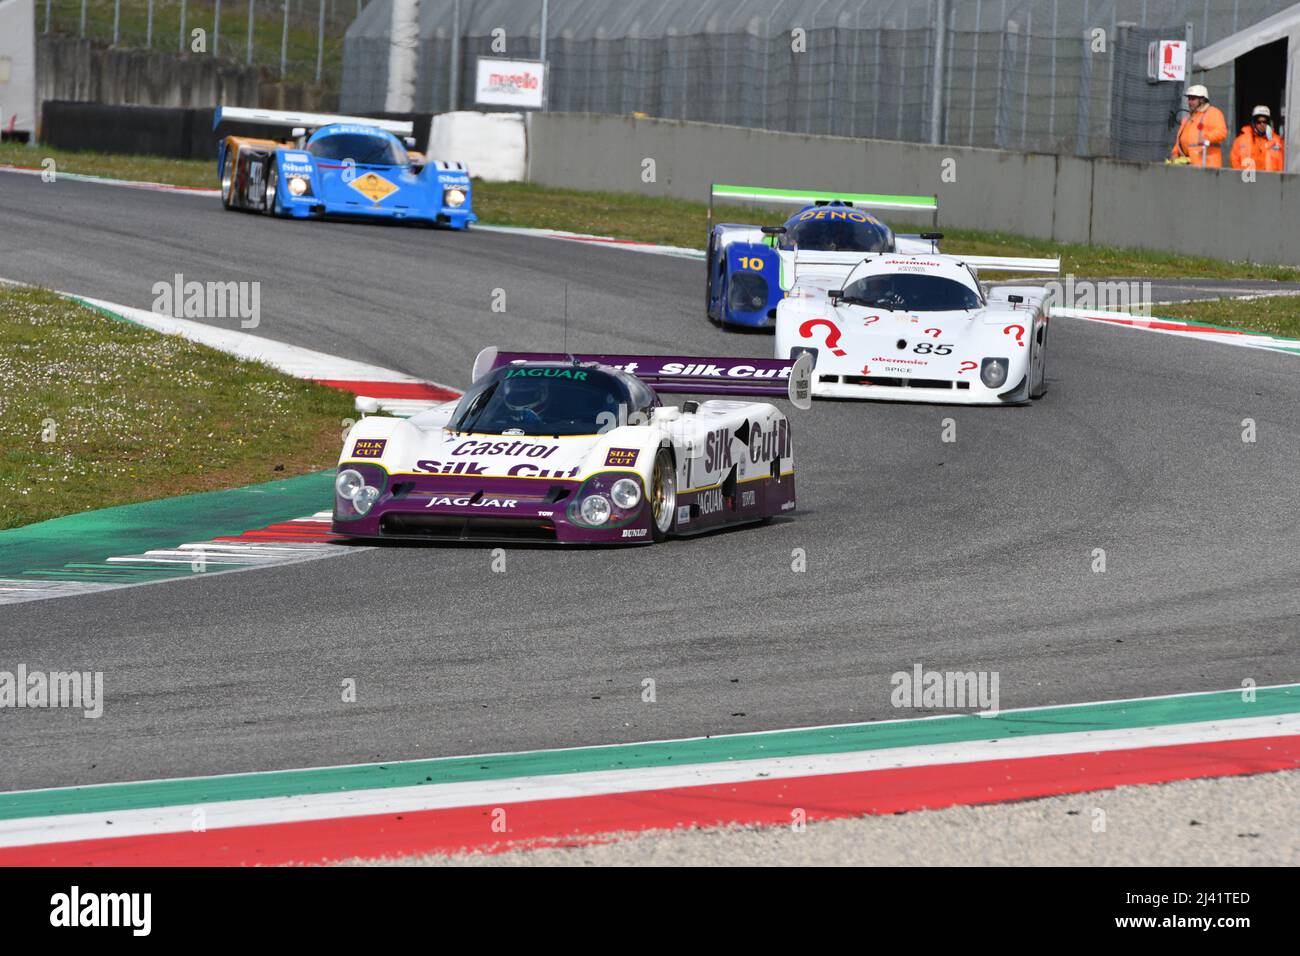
point(919, 328)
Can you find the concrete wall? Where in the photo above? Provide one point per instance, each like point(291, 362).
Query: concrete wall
point(71, 69)
point(1047, 196)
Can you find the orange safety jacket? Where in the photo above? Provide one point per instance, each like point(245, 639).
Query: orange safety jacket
point(1263, 153)
point(1205, 125)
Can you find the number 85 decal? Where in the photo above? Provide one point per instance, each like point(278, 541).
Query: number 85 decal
point(925, 348)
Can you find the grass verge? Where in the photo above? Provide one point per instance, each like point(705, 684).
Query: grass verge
point(150, 169)
point(97, 412)
point(678, 222)
point(1274, 315)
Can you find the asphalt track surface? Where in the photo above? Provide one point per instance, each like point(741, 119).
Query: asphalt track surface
point(971, 555)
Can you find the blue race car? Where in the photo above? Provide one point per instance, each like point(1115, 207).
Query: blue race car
point(752, 268)
point(338, 166)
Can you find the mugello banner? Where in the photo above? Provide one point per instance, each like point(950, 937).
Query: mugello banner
point(517, 83)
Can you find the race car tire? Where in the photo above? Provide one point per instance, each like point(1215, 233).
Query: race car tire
point(1040, 389)
point(708, 280)
point(272, 194)
point(228, 181)
point(663, 495)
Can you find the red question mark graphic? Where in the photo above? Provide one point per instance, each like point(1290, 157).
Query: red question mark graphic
point(935, 332)
point(871, 318)
point(967, 367)
point(1020, 333)
point(832, 337)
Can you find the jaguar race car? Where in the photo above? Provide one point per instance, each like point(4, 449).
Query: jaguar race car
point(338, 167)
point(920, 328)
point(749, 267)
point(577, 449)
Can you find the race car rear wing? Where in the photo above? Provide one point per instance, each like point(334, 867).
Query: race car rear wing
point(290, 120)
point(1012, 264)
point(806, 197)
point(783, 378)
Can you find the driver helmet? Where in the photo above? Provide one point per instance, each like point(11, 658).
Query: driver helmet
point(524, 394)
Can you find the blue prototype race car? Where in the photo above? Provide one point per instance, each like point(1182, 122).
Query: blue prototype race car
point(751, 268)
point(338, 166)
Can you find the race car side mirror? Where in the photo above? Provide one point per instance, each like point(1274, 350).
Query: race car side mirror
point(774, 230)
point(1015, 299)
point(409, 141)
point(835, 295)
point(366, 405)
point(297, 131)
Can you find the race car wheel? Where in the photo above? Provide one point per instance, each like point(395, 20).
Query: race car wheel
point(228, 181)
point(272, 190)
point(708, 280)
point(663, 495)
point(1041, 388)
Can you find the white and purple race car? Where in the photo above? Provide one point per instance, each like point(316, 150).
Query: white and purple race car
point(578, 449)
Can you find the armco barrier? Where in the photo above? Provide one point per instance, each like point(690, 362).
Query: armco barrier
point(142, 130)
point(1150, 206)
point(175, 132)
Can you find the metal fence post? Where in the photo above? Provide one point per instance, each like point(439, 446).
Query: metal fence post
point(320, 40)
point(541, 49)
point(936, 78)
point(148, 26)
point(284, 41)
point(83, 19)
point(47, 16)
point(974, 73)
point(1024, 99)
point(453, 81)
point(216, 29)
point(1051, 116)
point(117, 20)
point(181, 38)
point(875, 82)
point(902, 75)
point(249, 58)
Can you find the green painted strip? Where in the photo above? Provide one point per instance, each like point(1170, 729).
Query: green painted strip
point(1222, 705)
point(1201, 324)
point(93, 536)
point(813, 195)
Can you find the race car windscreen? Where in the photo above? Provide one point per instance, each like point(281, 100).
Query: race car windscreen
point(907, 292)
point(362, 150)
point(837, 230)
point(542, 400)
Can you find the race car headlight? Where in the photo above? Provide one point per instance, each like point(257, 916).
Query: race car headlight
point(365, 499)
point(993, 372)
point(626, 493)
point(348, 483)
point(595, 509)
point(455, 196)
point(299, 185)
point(748, 292)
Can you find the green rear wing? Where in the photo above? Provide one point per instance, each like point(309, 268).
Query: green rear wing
point(806, 197)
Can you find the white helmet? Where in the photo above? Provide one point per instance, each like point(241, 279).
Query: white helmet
point(1198, 90)
point(1261, 111)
